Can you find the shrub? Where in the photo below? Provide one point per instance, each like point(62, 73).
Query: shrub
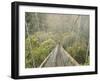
point(78, 52)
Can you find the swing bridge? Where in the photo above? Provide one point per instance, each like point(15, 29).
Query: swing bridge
point(58, 56)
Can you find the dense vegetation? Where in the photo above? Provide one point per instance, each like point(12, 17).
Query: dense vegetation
point(44, 31)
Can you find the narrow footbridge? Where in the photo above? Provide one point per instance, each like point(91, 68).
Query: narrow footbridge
point(59, 57)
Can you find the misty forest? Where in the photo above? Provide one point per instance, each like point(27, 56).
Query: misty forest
point(56, 40)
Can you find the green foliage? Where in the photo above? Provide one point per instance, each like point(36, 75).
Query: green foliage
point(42, 51)
point(37, 51)
point(48, 43)
point(78, 51)
point(68, 39)
point(29, 44)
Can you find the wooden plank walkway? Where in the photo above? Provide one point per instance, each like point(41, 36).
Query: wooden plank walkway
point(59, 57)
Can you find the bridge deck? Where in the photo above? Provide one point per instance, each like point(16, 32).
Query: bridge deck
point(59, 57)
